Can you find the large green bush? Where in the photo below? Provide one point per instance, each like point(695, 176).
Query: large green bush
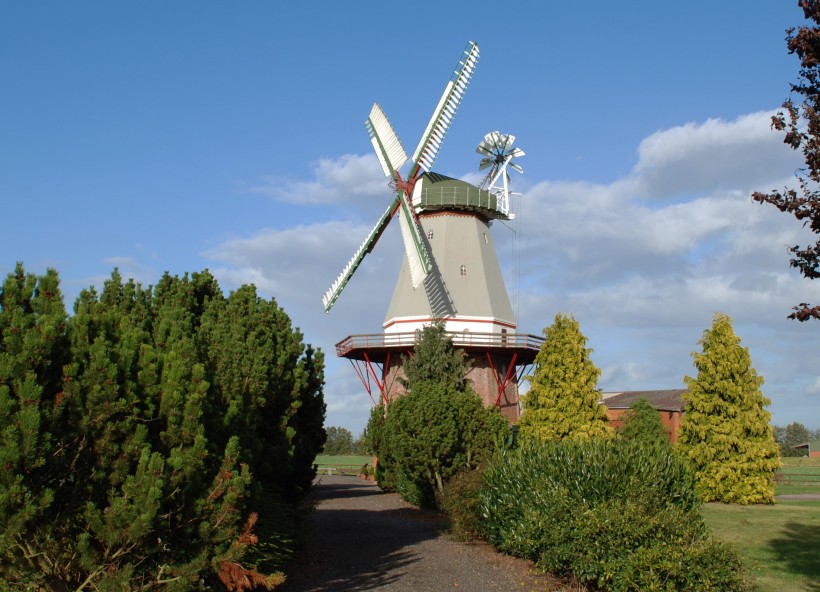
point(151, 438)
point(433, 432)
point(598, 509)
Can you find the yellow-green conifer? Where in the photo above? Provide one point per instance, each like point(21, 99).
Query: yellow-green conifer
point(563, 400)
point(725, 432)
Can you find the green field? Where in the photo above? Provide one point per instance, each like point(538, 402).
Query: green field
point(799, 475)
point(780, 543)
point(345, 465)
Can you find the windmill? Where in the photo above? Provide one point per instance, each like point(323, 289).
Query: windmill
point(450, 269)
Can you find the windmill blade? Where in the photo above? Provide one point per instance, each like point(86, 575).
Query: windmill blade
point(385, 142)
point(427, 150)
point(414, 247)
point(517, 167)
point(485, 163)
point(336, 287)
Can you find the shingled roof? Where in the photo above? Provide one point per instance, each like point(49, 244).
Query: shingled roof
point(665, 400)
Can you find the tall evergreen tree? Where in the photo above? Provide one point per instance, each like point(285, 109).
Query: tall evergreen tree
point(563, 400)
point(725, 432)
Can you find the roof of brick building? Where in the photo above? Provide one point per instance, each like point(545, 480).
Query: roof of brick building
point(662, 400)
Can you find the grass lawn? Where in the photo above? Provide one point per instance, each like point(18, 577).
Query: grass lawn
point(346, 462)
point(780, 543)
point(800, 475)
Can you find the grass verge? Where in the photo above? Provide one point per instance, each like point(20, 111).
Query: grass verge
point(780, 544)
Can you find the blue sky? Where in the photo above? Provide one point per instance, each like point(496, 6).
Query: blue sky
point(181, 136)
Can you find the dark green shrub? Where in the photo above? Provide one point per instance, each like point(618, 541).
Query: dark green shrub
point(459, 500)
point(643, 422)
point(594, 509)
point(430, 434)
point(158, 435)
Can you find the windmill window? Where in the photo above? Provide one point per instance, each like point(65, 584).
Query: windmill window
point(430, 234)
point(463, 270)
point(486, 240)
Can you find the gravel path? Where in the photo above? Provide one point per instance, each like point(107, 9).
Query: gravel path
point(364, 539)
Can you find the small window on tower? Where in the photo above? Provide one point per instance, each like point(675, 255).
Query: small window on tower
point(486, 240)
point(463, 270)
point(430, 234)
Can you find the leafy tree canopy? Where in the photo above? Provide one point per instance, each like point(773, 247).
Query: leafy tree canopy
point(339, 441)
point(802, 132)
point(791, 435)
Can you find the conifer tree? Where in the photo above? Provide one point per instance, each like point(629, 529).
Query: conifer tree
point(725, 432)
point(563, 400)
point(642, 422)
point(439, 427)
point(435, 359)
point(122, 471)
point(33, 349)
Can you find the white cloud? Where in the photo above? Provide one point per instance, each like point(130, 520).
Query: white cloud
point(345, 180)
point(695, 158)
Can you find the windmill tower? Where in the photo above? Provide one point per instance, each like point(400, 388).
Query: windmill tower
point(450, 269)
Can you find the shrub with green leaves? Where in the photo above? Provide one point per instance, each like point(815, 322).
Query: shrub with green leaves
point(459, 500)
point(434, 431)
point(593, 509)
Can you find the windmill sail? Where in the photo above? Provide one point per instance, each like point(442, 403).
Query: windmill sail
point(336, 287)
point(385, 142)
point(428, 147)
point(414, 247)
point(392, 157)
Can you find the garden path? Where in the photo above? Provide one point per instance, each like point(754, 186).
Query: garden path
point(361, 538)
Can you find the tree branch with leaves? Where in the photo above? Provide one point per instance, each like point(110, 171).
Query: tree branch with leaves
point(801, 124)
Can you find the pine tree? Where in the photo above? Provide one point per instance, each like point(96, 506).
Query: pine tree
point(563, 400)
point(33, 349)
point(725, 432)
point(155, 436)
point(435, 359)
point(642, 422)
